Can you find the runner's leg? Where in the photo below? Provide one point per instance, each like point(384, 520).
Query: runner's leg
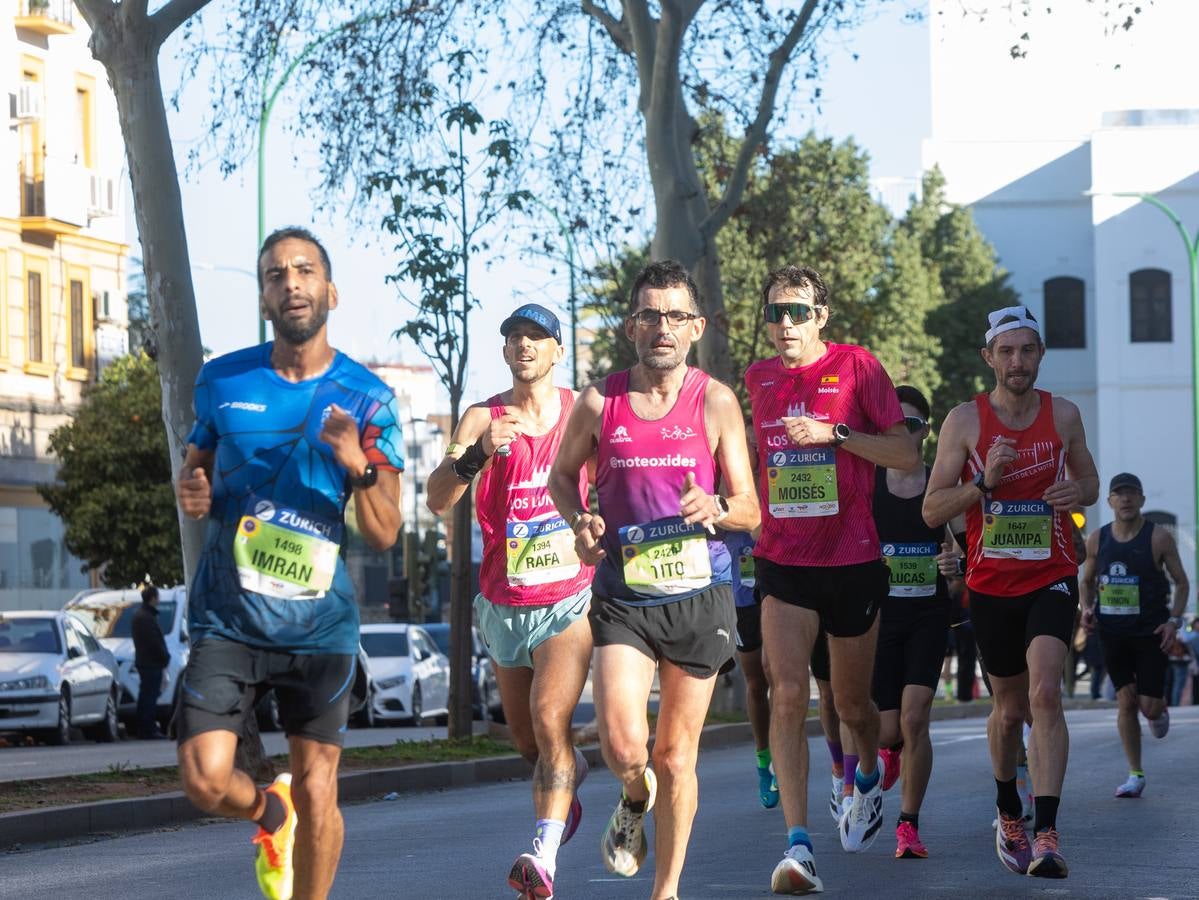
point(852, 661)
point(916, 708)
point(621, 684)
point(1129, 725)
point(210, 780)
point(516, 687)
point(560, 668)
point(319, 826)
point(1051, 740)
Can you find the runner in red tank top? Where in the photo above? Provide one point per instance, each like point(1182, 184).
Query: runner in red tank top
point(824, 415)
point(1016, 462)
point(535, 591)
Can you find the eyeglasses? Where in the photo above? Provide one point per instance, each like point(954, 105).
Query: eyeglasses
point(914, 423)
point(651, 318)
point(798, 312)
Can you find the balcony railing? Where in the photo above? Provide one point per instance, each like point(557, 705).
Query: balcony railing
point(55, 198)
point(46, 16)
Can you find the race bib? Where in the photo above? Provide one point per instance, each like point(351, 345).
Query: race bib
point(665, 557)
point(802, 483)
point(745, 567)
point(1017, 529)
point(913, 569)
point(280, 552)
point(541, 551)
point(1119, 595)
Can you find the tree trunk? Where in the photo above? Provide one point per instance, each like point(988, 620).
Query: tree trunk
point(461, 606)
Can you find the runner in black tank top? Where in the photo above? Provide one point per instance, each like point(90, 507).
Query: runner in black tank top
point(914, 626)
point(1125, 593)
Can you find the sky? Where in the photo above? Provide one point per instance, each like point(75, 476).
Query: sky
point(875, 89)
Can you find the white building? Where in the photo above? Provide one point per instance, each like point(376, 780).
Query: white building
point(1038, 147)
point(63, 265)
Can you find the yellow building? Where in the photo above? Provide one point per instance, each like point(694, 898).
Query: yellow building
point(63, 266)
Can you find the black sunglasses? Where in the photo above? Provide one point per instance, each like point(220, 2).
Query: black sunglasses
point(914, 423)
point(651, 318)
point(798, 312)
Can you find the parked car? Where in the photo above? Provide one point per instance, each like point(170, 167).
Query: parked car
point(55, 676)
point(109, 615)
point(361, 711)
point(486, 702)
point(411, 676)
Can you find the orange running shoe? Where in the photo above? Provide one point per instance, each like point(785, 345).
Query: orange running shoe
point(273, 864)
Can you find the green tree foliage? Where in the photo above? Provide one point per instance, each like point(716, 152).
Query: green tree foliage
point(114, 491)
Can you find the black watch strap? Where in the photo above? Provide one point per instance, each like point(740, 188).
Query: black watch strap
point(367, 479)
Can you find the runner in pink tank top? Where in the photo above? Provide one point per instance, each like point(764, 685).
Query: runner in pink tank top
point(660, 434)
point(824, 416)
point(535, 590)
point(1016, 462)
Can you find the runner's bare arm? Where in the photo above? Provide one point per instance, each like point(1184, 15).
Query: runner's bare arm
point(892, 449)
point(577, 448)
point(376, 508)
point(726, 430)
point(1088, 582)
point(445, 488)
point(946, 496)
point(1081, 488)
point(1165, 553)
point(193, 491)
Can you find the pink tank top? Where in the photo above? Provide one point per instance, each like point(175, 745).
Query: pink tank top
point(529, 554)
point(641, 466)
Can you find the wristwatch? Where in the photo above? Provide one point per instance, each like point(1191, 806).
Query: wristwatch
point(841, 434)
point(1176, 621)
point(980, 482)
point(723, 505)
point(578, 514)
point(367, 479)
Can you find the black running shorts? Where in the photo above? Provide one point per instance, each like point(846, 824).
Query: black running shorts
point(224, 680)
point(912, 635)
point(846, 598)
point(822, 669)
point(749, 627)
point(1136, 660)
point(696, 634)
point(1005, 626)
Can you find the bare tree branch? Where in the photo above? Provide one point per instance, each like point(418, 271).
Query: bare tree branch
point(616, 29)
point(171, 16)
point(756, 133)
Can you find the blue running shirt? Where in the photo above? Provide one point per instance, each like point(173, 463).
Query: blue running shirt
point(275, 481)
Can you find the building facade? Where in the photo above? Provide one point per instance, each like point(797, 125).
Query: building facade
point(63, 265)
point(1045, 147)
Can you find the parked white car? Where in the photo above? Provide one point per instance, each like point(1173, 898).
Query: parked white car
point(411, 676)
point(54, 675)
point(109, 614)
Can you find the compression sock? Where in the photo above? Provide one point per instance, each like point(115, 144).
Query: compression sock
point(1007, 798)
point(914, 818)
point(763, 758)
point(274, 813)
point(1046, 813)
point(797, 834)
point(851, 766)
point(866, 783)
point(549, 838)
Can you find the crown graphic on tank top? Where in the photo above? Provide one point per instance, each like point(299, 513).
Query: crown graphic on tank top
point(538, 479)
point(795, 411)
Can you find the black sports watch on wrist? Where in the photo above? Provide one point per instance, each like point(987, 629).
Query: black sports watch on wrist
point(367, 479)
point(980, 482)
point(841, 434)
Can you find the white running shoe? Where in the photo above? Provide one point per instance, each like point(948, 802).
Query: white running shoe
point(796, 873)
point(623, 845)
point(1159, 726)
point(834, 800)
point(859, 826)
point(1133, 787)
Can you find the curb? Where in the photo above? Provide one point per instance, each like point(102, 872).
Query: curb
point(107, 817)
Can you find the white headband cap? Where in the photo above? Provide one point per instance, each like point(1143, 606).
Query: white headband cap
point(1018, 316)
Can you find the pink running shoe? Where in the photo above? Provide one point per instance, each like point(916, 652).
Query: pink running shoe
point(891, 760)
point(907, 842)
point(1011, 844)
point(1047, 861)
point(530, 878)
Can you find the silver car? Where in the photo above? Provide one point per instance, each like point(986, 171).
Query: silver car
point(55, 676)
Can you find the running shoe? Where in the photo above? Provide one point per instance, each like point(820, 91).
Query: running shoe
point(768, 788)
point(530, 877)
point(1011, 844)
point(575, 814)
point(1047, 862)
point(1133, 787)
point(892, 759)
point(273, 864)
point(834, 800)
point(1024, 789)
point(907, 842)
point(859, 825)
point(623, 845)
point(846, 805)
point(796, 874)
point(1159, 726)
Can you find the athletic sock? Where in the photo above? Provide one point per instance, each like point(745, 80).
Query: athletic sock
point(836, 754)
point(634, 806)
point(1007, 798)
point(763, 756)
point(797, 834)
point(866, 783)
point(549, 838)
point(1136, 773)
point(851, 766)
point(1046, 813)
point(274, 814)
point(914, 818)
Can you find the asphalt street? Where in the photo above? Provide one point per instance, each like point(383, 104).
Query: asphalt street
point(459, 843)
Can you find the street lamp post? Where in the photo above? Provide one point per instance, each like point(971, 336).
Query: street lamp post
point(1192, 248)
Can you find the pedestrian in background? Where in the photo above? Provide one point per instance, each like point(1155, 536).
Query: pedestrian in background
point(151, 658)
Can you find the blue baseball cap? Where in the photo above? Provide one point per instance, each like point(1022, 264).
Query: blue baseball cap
point(538, 315)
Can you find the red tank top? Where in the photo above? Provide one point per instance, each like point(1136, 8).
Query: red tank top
point(529, 554)
point(1018, 543)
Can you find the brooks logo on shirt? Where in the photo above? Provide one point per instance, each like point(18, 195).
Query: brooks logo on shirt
point(242, 404)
